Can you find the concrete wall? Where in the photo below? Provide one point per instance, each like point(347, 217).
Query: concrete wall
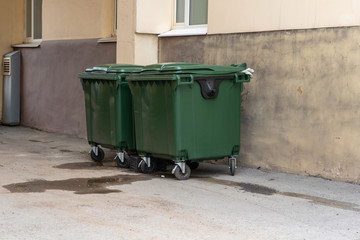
point(11, 31)
point(52, 95)
point(301, 110)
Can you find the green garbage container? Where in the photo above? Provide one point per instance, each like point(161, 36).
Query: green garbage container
point(187, 113)
point(108, 103)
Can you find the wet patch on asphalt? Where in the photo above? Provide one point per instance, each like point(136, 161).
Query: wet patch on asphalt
point(324, 201)
point(65, 150)
point(38, 141)
point(78, 185)
point(259, 189)
point(255, 188)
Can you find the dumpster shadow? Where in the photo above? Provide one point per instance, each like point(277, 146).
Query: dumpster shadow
point(77, 185)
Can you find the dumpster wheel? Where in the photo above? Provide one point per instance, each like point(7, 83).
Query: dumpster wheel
point(179, 173)
point(122, 160)
point(99, 156)
point(232, 165)
point(148, 165)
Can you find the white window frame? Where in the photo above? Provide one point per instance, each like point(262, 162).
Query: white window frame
point(31, 38)
point(184, 29)
point(186, 23)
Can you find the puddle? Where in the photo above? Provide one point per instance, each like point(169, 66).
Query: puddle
point(65, 150)
point(259, 189)
point(77, 185)
point(255, 188)
point(38, 141)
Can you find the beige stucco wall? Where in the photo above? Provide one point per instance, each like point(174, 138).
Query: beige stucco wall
point(231, 16)
point(11, 31)
point(126, 21)
point(69, 19)
point(146, 49)
point(153, 16)
point(132, 46)
point(301, 111)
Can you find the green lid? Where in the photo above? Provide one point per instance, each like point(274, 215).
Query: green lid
point(110, 71)
point(115, 68)
point(192, 68)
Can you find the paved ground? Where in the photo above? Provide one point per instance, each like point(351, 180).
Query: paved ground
point(51, 190)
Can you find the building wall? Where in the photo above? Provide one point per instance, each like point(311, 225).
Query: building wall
point(11, 31)
point(140, 21)
point(153, 17)
point(52, 95)
point(300, 112)
point(69, 19)
point(232, 16)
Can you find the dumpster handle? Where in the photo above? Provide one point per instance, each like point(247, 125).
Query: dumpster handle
point(121, 81)
point(242, 78)
point(185, 79)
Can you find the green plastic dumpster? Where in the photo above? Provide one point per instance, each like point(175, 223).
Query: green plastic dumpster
point(187, 113)
point(108, 103)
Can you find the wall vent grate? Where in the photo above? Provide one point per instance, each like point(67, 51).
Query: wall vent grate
point(7, 66)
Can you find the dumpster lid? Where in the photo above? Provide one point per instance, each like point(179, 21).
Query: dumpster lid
point(191, 68)
point(115, 68)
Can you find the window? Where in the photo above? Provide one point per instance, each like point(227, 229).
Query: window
point(33, 20)
point(190, 13)
point(190, 18)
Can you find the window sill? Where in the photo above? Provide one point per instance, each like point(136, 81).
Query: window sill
point(107, 40)
point(27, 45)
point(191, 31)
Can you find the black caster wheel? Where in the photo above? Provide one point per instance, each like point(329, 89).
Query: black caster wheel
point(146, 169)
point(99, 157)
point(125, 163)
point(180, 175)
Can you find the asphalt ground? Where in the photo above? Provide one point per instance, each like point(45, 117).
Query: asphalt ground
point(50, 189)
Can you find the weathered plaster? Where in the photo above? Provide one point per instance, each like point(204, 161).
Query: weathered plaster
point(301, 110)
point(52, 97)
